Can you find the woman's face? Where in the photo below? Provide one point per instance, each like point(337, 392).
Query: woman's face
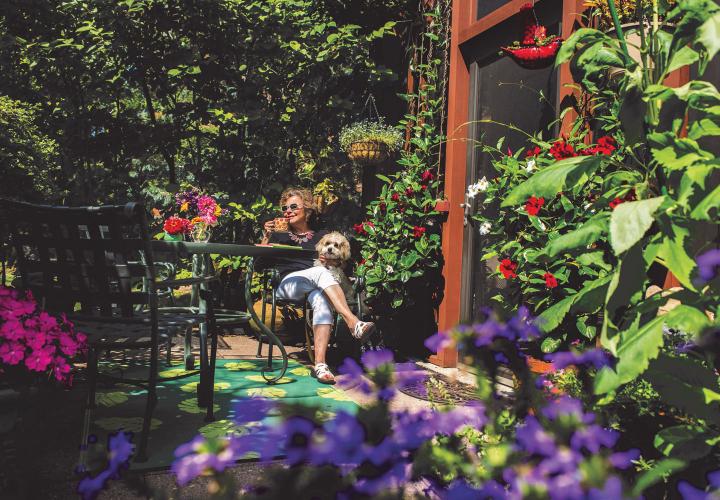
point(294, 209)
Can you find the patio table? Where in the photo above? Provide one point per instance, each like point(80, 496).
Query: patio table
point(255, 253)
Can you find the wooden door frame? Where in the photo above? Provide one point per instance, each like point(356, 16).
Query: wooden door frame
point(464, 28)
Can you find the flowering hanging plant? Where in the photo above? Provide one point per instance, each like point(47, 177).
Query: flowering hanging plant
point(35, 342)
point(537, 48)
point(193, 214)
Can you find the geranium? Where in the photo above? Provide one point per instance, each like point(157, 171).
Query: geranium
point(176, 225)
point(561, 149)
point(550, 280)
point(508, 268)
point(533, 205)
point(418, 231)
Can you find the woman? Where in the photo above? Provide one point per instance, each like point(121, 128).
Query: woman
point(299, 278)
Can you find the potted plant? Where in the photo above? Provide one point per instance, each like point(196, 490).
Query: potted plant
point(370, 142)
point(537, 49)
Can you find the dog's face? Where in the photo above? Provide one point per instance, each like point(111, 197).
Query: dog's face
point(334, 246)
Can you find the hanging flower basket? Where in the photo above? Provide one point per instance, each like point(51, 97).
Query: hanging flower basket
point(537, 49)
point(534, 56)
point(368, 152)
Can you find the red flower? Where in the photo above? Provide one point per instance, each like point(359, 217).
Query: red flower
point(533, 205)
point(561, 149)
point(426, 177)
point(550, 280)
point(605, 146)
point(533, 152)
point(176, 225)
point(418, 231)
point(424, 187)
point(509, 151)
point(409, 191)
point(383, 206)
point(508, 268)
point(628, 197)
point(526, 6)
point(395, 197)
point(359, 229)
point(362, 261)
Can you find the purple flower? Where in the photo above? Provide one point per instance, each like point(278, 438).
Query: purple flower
point(438, 342)
point(532, 438)
point(594, 357)
point(592, 438)
point(394, 478)
point(708, 264)
point(611, 489)
point(355, 376)
point(120, 450)
point(298, 434)
point(413, 429)
point(690, 492)
point(251, 410)
point(451, 421)
point(461, 490)
point(569, 407)
point(373, 359)
point(623, 459)
point(342, 443)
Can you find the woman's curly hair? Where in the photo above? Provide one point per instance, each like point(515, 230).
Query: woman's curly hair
point(307, 198)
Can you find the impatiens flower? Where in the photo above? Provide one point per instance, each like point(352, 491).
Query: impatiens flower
point(176, 225)
point(561, 150)
point(533, 205)
point(395, 197)
point(508, 268)
point(426, 177)
point(708, 265)
point(533, 152)
point(479, 187)
point(418, 231)
point(12, 353)
point(550, 280)
point(39, 359)
point(485, 228)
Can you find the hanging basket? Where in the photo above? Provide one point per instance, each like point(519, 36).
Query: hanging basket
point(534, 56)
point(368, 152)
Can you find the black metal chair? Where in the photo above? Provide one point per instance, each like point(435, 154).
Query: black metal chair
point(96, 264)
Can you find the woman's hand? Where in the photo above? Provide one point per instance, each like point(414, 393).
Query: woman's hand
point(268, 228)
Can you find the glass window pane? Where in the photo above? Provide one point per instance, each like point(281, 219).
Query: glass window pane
point(485, 7)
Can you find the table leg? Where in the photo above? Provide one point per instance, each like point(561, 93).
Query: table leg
point(264, 330)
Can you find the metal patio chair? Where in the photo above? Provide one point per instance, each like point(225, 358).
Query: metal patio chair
point(96, 264)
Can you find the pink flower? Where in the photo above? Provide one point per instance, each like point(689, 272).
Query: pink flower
point(12, 329)
point(12, 353)
point(68, 345)
point(47, 322)
point(206, 205)
point(40, 359)
point(36, 340)
point(61, 369)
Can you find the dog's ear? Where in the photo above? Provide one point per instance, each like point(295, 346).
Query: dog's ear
point(319, 244)
point(344, 248)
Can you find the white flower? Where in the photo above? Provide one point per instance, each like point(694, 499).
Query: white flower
point(542, 226)
point(530, 166)
point(479, 187)
point(389, 269)
point(485, 228)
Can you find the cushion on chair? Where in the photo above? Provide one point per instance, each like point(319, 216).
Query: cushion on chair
point(288, 318)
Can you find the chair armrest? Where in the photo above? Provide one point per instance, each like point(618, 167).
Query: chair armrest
point(187, 281)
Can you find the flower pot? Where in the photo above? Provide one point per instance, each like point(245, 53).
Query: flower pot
point(173, 237)
point(539, 366)
point(325, 206)
point(631, 32)
point(534, 56)
point(369, 152)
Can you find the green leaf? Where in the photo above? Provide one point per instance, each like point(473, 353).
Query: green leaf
point(630, 221)
point(550, 344)
point(583, 236)
point(683, 57)
point(590, 297)
point(659, 472)
point(684, 442)
point(553, 179)
point(673, 255)
point(710, 202)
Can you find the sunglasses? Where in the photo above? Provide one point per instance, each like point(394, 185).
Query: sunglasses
point(292, 206)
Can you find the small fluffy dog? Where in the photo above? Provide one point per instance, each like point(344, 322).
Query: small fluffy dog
point(335, 248)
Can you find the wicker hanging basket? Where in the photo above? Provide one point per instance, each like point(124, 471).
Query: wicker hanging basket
point(369, 152)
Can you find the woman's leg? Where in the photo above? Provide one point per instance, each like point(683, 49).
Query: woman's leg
point(339, 302)
point(322, 338)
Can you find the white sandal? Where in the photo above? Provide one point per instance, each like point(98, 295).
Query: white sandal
point(363, 330)
point(323, 373)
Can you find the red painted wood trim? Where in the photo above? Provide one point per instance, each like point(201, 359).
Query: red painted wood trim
point(497, 16)
point(455, 157)
point(572, 9)
point(442, 206)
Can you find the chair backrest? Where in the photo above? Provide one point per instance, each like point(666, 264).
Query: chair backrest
point(83, 259)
